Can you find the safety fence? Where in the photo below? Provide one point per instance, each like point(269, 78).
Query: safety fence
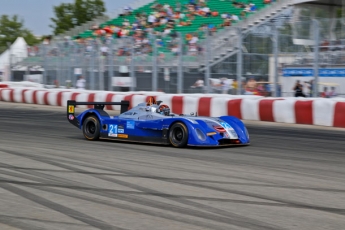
point(275, 54)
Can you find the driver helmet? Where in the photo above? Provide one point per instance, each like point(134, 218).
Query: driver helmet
point(164, 110)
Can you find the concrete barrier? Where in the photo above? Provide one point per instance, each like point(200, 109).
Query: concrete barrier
point(312, 111)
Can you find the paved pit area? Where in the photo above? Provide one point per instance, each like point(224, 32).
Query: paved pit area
point(291, 177)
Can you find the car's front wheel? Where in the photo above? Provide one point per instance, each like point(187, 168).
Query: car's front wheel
point(91, 128)
point(178, 135)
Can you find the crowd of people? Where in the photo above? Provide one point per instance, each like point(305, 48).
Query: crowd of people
point(230, 86)
point(251, 86)
point(308, 86)
point(162, 21)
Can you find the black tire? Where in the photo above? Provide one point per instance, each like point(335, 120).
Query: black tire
point(91, 128)
point(178, 135)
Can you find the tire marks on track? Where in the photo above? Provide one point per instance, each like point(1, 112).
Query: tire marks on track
point(207, 213)
point(222, 171)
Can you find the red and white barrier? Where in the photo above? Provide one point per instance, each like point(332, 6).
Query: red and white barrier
point(313, 111)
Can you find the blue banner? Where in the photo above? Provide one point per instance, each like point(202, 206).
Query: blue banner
point(323, 72)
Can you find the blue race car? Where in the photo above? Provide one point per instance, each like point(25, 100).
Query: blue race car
point(153, 122)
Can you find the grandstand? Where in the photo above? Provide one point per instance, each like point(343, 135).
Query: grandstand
point(220, 42)
point(184, 26)
point(218, 6)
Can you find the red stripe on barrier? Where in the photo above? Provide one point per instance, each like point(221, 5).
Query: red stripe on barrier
point(234, 108)
point(23, 96)
point(59, 98)
point(204, 106)
point(266, 110)
point(109, 98)
point(34, 96)
point(91, 98)
point(129, 98)
point(304, 112)
point(177, 104)
point(74, 96)
point(3, 86)
point(12, 95)
point(45, 98)
point(339, 115)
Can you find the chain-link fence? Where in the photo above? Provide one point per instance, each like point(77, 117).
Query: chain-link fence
point(267, 59)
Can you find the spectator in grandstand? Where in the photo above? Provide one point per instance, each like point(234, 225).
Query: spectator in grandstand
point(151, 19)
point(234, 17)
point(238, 4)
point(80, 83)
point(224, 84)
point(194, 39)
point(298, 88)
point(205, 12)
point(332, 93)
point(251, 84)
point(260, 88)
point(199, 83)
point(104, 50)
point(234, 87)
point(226, 22)
point(225, 15)
point(268, 89)
point(324, 45)
point(324, 94)
point(252, 7)
point(56, 84)
point(47, 40)
point(127, 10)
point(310, 86)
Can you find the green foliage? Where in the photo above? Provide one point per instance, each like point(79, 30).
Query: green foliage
point(64, 15)
point(69, 15)
point(11, 28)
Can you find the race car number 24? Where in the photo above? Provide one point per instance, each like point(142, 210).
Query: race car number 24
point(112, 131)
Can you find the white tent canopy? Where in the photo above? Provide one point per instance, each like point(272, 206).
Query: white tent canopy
point(18, 52)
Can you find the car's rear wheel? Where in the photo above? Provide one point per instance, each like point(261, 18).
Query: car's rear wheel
point(178, 135)
point(91, 128)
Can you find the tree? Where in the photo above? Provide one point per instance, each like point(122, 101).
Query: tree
point(11, 28)
point(64, 14)
point(69, 15)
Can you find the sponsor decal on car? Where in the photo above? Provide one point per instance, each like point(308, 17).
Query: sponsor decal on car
point(230, 132)
point(71, 109)
point(71, 117)
point(120, 129)
point(225, 125)
point(130, 125)
point(122, 135)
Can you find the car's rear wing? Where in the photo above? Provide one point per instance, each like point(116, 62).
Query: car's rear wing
point(71, 104)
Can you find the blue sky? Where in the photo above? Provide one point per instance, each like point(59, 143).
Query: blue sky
point(37, 13)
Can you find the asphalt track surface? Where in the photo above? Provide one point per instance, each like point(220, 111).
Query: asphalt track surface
point(291, 177)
